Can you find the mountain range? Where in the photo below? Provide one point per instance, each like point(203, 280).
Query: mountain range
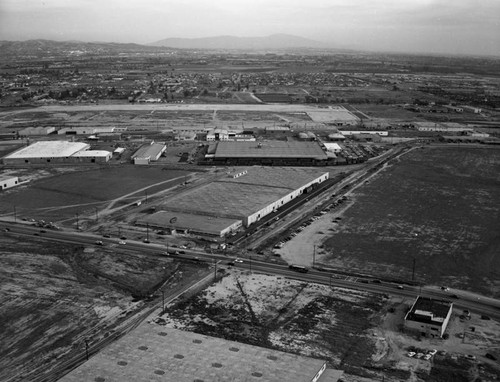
point(275, 41)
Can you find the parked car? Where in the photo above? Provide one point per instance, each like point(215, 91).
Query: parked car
point(411, 354)
point(490, 356)
point(432, 352)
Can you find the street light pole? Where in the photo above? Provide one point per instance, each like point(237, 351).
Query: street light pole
point(162, 302)
point(413, 270)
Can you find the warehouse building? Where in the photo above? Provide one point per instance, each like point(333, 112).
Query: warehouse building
point(160, 353)
point(270, 153)
point(428, 317)
point(58, 152)
point(34, 131)
point(148, 153)
point(241, 198)
point(82, 130)
point(178, 222)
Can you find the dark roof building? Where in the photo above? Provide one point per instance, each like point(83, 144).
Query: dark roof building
point(276, 153)
point(429, 317)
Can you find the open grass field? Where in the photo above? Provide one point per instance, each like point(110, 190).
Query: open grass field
point(439, 206)
point(61, 196)
point(54, 297)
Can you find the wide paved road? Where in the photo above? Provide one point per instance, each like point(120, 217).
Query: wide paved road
point(461, 299)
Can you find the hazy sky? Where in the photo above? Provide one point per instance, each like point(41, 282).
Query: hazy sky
point(437, 26)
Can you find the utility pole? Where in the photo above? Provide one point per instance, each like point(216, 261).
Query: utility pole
point(413, 271)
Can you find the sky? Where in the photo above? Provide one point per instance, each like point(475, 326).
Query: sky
point(418, 26)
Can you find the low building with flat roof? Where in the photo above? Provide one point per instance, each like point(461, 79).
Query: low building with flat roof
point(158, 353)
point(248, 194)
point(429, 317)
point(40, 130)
point(8, 182)
point(58, 152)
point(190, 223)
point(276, 153)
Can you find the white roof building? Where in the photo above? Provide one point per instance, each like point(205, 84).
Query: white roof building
point(51, 149)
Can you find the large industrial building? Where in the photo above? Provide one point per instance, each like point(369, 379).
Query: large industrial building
point(159, 353)
point(56, 152)
point(273, 153)
point(240, 198)
point(428, 317)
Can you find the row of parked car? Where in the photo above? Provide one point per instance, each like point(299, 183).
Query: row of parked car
point(427, 356)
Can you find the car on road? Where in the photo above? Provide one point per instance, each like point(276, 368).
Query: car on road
point(123, 238)
point(490, 356)
point(445, 288)
point(43, 231)
point(230, 263)
point(122, 242)
point(146, 241)
point(238, 260)
point(99, 242)
point(400, 287)
point(454, 296)
point(106, 235)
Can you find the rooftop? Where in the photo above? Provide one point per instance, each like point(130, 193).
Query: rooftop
point(178, 220)
point(240, 197)
point(148, 151)
point(158, 353)
point(92, 153)
point(51, 149)
point(426, 309)
point(270, 149)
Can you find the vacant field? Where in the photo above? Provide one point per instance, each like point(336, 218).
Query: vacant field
point(439, 206)
point(60, 196)
point(275, 312)
point(53, 297)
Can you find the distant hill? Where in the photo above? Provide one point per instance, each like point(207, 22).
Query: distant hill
point(275, 41)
